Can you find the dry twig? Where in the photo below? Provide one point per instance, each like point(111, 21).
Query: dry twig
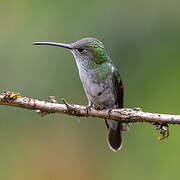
point(124, 115)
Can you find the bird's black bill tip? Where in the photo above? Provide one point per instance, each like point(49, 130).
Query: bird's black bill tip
point(34, 43)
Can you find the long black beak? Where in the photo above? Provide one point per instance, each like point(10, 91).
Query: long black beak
point(68, 46)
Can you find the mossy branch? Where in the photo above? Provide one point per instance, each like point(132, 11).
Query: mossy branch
point(128, 115)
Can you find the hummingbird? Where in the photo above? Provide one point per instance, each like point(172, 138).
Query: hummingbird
point(101, 82)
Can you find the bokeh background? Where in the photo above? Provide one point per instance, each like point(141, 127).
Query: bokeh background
point(141, 36)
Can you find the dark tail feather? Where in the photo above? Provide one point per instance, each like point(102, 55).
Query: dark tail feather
point(114, 134)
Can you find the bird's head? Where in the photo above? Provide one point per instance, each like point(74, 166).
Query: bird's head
point(85, 50)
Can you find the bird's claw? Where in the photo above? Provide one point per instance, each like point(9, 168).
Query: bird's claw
point(88, 109)
point(109, 113)
point(97, 107)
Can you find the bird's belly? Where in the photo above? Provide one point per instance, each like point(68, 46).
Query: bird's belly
point(99, 93)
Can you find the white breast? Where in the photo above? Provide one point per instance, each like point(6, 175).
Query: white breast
point(98, 93)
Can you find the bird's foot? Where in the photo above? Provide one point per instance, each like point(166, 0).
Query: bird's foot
point(109, 112)
point(88, 109)
point(164, 130)
point(99, 107)
point(52, 99)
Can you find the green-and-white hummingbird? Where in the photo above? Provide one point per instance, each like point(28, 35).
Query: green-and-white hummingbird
point(101, 82)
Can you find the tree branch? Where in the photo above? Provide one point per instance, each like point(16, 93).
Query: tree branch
point(124, 115)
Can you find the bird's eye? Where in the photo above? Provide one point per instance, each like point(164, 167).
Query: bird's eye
point(80, 50)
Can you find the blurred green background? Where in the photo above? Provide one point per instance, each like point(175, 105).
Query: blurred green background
point(142, 37)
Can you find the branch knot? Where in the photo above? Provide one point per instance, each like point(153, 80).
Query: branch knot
point(72, 110)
